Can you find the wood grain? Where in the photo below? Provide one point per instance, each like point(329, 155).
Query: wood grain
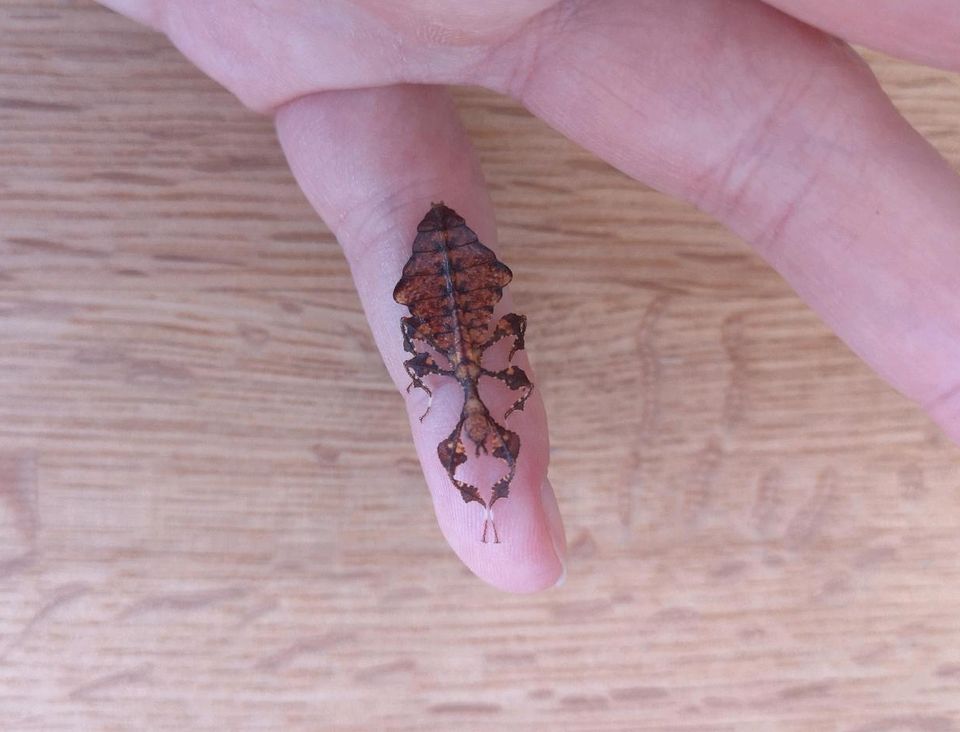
point(205, 474)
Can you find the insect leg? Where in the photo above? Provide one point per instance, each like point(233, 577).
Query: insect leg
point(515, 378)
point(507, 449)
point(421, 364)
point(453, 454)
point(509, 325)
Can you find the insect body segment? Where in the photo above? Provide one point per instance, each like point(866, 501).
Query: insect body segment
point(451, 284)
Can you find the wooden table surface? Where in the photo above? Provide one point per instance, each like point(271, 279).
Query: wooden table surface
point(205, 474)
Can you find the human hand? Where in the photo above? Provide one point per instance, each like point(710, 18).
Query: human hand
point(772, 126)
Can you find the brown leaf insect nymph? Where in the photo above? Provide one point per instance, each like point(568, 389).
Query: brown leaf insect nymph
point(451, 284)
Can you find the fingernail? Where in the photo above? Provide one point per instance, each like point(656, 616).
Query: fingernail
point(555, 526)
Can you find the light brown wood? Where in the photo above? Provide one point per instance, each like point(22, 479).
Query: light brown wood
point(205, 475)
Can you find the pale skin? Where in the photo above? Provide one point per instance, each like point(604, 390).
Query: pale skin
point(772, 126)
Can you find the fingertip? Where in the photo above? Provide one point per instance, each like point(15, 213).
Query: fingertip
point(519, 572)
point(531, 554)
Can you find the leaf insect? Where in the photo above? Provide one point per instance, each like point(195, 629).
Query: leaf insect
point(451, 284)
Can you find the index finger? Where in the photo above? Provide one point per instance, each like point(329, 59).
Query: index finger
point(371, 161)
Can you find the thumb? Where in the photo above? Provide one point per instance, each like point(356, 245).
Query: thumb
point(371, 161)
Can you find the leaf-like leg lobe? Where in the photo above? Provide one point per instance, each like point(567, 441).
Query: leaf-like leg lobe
point(453, 454)
point(515, 378)
point(508, 449)
point(509, 325)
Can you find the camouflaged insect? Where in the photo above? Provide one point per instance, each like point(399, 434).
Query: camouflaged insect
point(451, 284)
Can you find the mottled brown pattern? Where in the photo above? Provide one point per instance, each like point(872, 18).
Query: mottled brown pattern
point(451, 284)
